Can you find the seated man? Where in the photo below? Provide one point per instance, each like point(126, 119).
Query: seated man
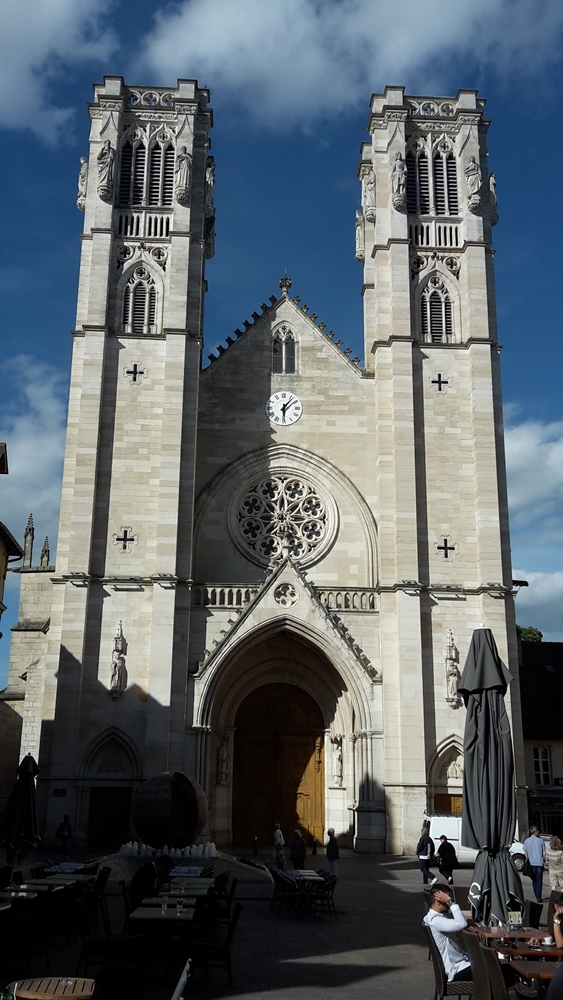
point(444, 918)
point(150, 879)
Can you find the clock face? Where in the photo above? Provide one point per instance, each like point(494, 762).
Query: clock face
point(284, 408)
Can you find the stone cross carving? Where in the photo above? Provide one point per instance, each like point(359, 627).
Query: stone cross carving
point(208, 206)
point(399, 182)
point(360, 235)
point(337, 759)
point(223, 760)
point(453, 675)
point(368, 184)
point(473, 185)
point(118, 680)
point(106, 164)
point(82, 184)
point(183, 176)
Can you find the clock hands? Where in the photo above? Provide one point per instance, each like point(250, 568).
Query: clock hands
point(286, 406)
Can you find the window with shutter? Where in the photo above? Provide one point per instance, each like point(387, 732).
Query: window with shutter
point(125, 173)
point(139, 175)
point(284, 352)
point(139, 307)
point(436, 313)
point(423, 186)
point(127, 306)
point(439, 186)
point(289, 356)
point(411, 184)
point(277, 357)
point(424, 317)
point(168, 178)
point(154, 175)
point(451, 173)
point(436, 318)
point(152, 306)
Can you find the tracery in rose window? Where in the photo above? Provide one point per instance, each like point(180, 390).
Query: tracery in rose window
point(282, 511)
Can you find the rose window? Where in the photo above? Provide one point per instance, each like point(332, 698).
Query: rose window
point(279, 512)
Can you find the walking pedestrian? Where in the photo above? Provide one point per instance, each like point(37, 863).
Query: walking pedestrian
point(278, 836)
point(298, 851)
point(447, 859)
point(425, 851)
point(64, 834)
point(332, 852)
point(554, 856)
point(534, 849)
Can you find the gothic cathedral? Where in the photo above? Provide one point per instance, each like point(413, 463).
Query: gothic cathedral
point(269, 569)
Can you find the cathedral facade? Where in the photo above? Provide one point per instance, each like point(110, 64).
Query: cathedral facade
point(269, 569)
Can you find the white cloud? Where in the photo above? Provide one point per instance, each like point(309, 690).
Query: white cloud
point(292, 62)
point(38, 40)
point(534, 457)
point(34, 428)
point(541, 604)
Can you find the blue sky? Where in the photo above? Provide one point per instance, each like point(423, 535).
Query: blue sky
point(290, 86)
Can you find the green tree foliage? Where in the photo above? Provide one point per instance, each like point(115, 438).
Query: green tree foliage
point(529, 634)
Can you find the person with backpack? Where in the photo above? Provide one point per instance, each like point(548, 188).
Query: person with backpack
point(425, 851)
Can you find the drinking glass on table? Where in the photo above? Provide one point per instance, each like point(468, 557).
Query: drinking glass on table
point(164, 905)
point(180, 907)
point(183, 885)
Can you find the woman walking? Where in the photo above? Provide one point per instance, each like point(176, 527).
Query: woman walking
point(554, 857)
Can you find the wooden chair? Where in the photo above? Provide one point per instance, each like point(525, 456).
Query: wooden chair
point(442, 988)
point(497, 986)
point(322, 898)
point(532, 913)
point(215, 954)
point(224, 914)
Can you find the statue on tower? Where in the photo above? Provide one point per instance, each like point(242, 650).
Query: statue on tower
point(399, 182)
point(453, 675)
point(368, 184)
point(82, 184)
point(473, 184)
point(118, 680)
point(360, 235)
point(208, 206)
point(493, 198)
point(106, 163)
point(183, 176)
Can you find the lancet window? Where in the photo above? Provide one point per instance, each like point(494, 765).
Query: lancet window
point(139, 303)
point(283, 352)
point(436, 315)
point(431, 180)
point(147, 174)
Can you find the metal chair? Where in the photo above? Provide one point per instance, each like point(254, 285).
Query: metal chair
point(442, 988)
point(497, 986)
point(532, 913)
point(214, 954)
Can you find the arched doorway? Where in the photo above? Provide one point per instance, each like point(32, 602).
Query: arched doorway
point(278, 765)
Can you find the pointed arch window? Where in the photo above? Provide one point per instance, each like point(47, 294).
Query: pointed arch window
point(139, 304)
point(283, 352)
point(436, 315)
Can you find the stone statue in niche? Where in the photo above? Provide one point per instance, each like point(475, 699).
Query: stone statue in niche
point(493, 197)
point(183, 176)
point(118, 680)
point(223, 760)
point(473, 185)
point(453, 675)
point(106, 163)
point(208, 205)
point(360, 235)
point(454, 770)
point(337, 760)
point(368, 179)
point(82, 184)
point(399, 182)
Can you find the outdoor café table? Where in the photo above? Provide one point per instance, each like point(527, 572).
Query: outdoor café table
point(6, 897)
point(193, 882)
point(490, 933)
point(4, 907)
point(175, 890)
point(59, 880)
point(27, 887)
point(168, 916)
point(72, 878)
point(157, 900)
point(526, 951)
point(534, 970)
point(52, 986)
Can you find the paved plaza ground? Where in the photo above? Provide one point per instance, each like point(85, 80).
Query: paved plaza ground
point(374, 948)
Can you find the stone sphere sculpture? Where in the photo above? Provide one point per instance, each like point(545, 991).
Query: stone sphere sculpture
point(169, 809)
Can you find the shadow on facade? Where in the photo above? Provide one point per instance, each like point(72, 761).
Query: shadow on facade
point(10, 727)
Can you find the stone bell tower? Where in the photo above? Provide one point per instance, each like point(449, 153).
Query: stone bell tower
point(424, 234)
point(120, 612)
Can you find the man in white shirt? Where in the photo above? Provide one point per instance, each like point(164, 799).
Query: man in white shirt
point(444, 918)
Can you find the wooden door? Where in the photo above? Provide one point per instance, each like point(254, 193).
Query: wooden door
point(278, 766)
point(109, 817)
point(451, 804)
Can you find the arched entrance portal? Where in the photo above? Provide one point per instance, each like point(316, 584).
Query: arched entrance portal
point(278, 765)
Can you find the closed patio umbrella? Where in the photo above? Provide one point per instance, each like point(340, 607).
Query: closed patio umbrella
point(21, 833)
point(489, 796)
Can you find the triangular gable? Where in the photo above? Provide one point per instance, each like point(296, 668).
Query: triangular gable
point(286, 588)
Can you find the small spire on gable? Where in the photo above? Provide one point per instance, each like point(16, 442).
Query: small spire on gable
point(285, 284)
